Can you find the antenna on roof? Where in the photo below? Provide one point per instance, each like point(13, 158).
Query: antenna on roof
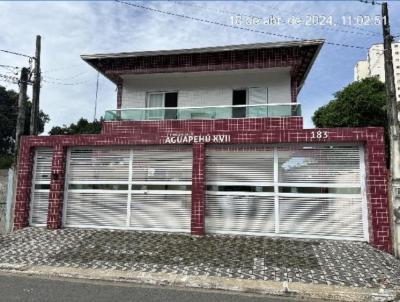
point(95, 101)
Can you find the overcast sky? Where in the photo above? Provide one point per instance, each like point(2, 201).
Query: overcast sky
point(69, 29)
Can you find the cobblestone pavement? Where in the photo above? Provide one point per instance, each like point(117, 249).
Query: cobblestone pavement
point(312, 261)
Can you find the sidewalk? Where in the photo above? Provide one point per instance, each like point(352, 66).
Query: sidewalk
point(344, 270)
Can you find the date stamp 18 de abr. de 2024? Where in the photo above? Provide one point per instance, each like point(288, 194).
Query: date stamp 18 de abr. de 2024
point(307, 20)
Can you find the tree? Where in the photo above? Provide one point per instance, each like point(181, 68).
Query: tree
point(360, 104)
point(81, 127)
point(8, 122)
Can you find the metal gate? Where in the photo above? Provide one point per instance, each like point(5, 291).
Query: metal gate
point(40, 187)
point(144, 188)
point(310, 191)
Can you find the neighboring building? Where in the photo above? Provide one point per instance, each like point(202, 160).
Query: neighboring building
point(209, 140)
point(375, 65)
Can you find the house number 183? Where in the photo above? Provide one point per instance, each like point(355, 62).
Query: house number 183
point(319, 134)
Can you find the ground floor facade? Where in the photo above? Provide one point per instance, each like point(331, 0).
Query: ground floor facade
point(204, 178)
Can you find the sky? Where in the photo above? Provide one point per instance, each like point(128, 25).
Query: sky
point(70, 29)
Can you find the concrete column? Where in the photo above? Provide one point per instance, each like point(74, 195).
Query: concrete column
point(56, 194)
point(198, 190)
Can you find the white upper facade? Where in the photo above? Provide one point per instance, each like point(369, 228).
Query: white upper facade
point(216, 88)
point(374, 65)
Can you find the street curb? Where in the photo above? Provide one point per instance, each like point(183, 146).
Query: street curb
point(291, 289)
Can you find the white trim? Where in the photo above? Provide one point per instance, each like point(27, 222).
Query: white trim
point(65, 201)
point(236, 193)
point(235, 183)
point(283, 184)
point(31, 203)
point(42, 182)
point(328, 195)
point(288, 235)
point(364, 202)
point(319, 185)
point(276, 190)
point(122, 182)
point(40, 225)
point(128, 228)
point(162, 192)
point(146, 192)
point(128, 204)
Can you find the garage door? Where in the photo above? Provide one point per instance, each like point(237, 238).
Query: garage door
point(297, 191)
point(40, 187)
point(144, 188)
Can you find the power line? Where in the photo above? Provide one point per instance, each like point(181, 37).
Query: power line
point(61, 68)
point(231, 26)
point(67, 78)
point(231, 13)
point(8, 77)
point(11, 79)
point(16, 53)
point(9, 66)
point(66, 84)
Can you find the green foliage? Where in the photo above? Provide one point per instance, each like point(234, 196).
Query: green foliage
point(81, 127)
point(360, 104)
point(6, 161)
point(8, 120)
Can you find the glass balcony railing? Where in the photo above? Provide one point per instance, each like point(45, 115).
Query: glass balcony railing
point(209, 112)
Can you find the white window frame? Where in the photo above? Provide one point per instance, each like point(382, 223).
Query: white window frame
point(163, 93)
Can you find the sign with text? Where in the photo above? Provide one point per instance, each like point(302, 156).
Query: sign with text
point(192, 138)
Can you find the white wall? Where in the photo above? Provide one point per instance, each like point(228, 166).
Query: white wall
point(206, 88)
point(374, 65)
point(361, 70)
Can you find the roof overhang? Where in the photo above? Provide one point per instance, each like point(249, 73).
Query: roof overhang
point(299, 55)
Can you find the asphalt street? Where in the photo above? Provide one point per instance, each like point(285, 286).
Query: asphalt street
point(40, 289)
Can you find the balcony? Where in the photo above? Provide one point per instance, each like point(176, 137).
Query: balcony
point(203, 113)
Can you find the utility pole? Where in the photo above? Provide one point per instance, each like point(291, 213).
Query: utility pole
point(19, 130)
point(23, 84)
point(33, 130)
point(394, 130)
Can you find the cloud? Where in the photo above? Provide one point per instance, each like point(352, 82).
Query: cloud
point(69, 29)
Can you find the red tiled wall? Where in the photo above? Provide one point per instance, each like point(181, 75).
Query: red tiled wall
point(211, 61)
point(227, 125)
point(23, 192)
point(56, 194)
point(371, 138)
point(198, 183)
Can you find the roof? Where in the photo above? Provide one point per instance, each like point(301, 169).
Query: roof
point(204, 49)
point(114, 65)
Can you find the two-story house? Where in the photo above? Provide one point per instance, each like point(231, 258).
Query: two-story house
point(209, 140)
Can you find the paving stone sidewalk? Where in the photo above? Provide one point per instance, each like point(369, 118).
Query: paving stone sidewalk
point(347, 263)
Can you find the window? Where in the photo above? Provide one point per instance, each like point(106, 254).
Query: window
point(239, 98)
point(252, 96)
point(161, 101)
point(258, 96)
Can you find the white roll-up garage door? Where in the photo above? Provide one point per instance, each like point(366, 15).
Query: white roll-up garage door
point(311, 191)
point(144, 188)
point(40, 187)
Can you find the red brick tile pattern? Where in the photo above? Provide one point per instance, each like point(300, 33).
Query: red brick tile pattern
point(131, 133)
